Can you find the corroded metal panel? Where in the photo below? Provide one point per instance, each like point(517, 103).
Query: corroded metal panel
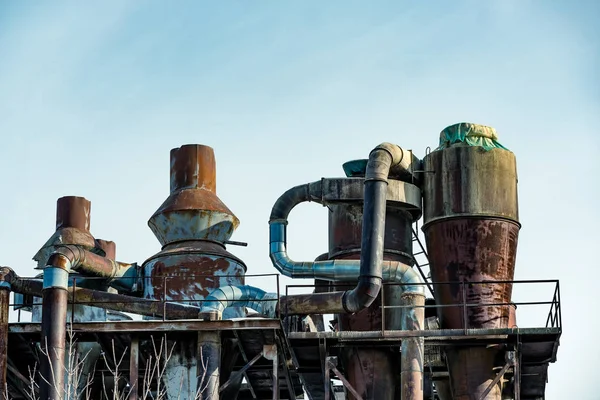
point(192, 226)
point(470, 181)
point(472, 251)
point(188, 272)
point(73, 212)
point(193, 211)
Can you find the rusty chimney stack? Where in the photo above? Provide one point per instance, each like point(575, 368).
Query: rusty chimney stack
point(192, 225)
point(193, 211)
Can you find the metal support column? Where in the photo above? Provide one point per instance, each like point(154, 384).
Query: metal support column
point(54, 324)
point(327, 380)
point(4, 301)
point(413, 348)
point(134, 368)
point(275, 374)
point(209, 364)
point(270, 353)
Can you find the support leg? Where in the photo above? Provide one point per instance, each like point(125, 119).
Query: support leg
point(134, 368)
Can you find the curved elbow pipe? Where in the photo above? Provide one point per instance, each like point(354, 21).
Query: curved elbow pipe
point(370, 267)
point(336, 270)
point(71, 257)
point(241, 296)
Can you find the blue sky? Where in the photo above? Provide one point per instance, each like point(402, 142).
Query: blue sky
point(94, 95)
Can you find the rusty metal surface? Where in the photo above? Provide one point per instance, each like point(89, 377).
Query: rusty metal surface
point(434, 335)
point(472, 370)
point(72, 227)
point(193, 211)
point(156, 326)
point(471, 228)
point(53, 336)
point(4, 303)
point(91, 264)
point(372, 372)
point(470, 181)
point(73, 212)
point(473, 250)
point(108, 247)
point(112, 301)
point(312, 303)
point(189, 271)
point(345, 232)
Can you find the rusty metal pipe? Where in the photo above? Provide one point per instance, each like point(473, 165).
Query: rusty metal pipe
point(110, 301)
point(54, 323)
point(119, 275)
point(381, 160)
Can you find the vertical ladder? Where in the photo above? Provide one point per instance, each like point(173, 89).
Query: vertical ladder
point(421, 258)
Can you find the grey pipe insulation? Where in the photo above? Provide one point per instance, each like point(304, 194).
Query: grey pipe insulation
point(241, 296)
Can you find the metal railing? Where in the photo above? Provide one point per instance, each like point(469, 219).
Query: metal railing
point(166, 293)
point(166, 290)
point(463, 291)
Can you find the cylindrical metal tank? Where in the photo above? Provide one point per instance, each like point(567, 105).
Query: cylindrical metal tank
point(373, 372)
point(192, 226)
point(471, 227)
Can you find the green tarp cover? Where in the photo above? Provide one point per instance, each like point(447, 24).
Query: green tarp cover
point(471, 134)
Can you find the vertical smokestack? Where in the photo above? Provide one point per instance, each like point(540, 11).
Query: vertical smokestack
point(193, 211)
point(192, 225)
point(73, 212)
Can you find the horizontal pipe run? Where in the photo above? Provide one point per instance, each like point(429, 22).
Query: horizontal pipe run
point(112, 301)
point(313, 303)
point(335, 270)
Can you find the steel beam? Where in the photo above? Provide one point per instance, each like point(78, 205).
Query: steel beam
point(242, 372)
point(156, 326)
point(4, 302)
point(134, 367)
